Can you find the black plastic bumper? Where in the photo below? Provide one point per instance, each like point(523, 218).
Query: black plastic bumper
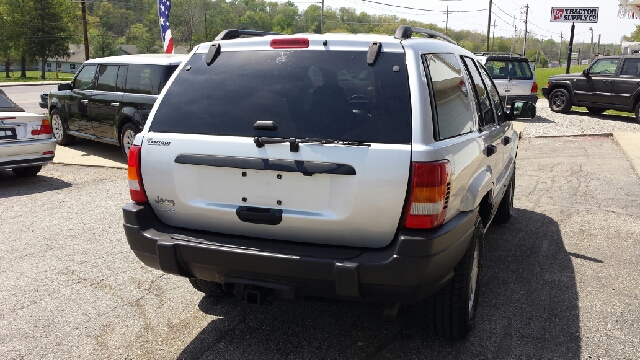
point(412, 267)
point(545, 92)
point(533, 98)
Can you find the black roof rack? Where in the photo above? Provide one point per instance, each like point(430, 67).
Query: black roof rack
point(404, 32)
point(230, 34)
point(485, 53)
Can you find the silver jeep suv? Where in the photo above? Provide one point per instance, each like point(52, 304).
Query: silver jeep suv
point(356, 167)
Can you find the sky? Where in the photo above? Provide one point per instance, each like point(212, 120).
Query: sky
point(610, 26)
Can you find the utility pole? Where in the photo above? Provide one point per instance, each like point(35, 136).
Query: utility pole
point(573, 27)
point(493, 40)
point(322, 18)
point(489, 24)
point(591, 46)
point(526, 20)
point(560, 50)
point(599, 43)
point(206, 32)
point(446, 26)
point(515, 34)
point(84, 30)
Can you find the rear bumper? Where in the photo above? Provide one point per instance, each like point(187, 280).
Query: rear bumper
point(533, 98)
point(44, 105)
point(545, 92)
point(412, 267)
point(26, 153)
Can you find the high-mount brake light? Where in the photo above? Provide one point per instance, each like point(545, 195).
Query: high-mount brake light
point(290, 43)
point(43, 129)
point(429, 195)
point(134, 175)
point(534, 87)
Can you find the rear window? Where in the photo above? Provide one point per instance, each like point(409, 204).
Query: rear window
point(7, 105)
point(308, 94)
point(505, 69)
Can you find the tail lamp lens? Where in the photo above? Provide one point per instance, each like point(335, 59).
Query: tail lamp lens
point(426, 208)
point(290, 43)
point(134, 175)
point(534, 87)
point(43, 129)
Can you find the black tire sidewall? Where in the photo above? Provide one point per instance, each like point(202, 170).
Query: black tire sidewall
point(66, 138)
point(127, 126)
point(477, 239)
point(567, 104)
point(637, 112)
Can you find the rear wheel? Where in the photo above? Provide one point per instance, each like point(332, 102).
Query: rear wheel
point(560, 101)
point(59, 131)
point(27, 171)
point(451, 312)
point(127, 135)
point(637, 112)
point(593, 110)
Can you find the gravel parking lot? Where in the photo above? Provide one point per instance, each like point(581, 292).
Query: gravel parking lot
point(560, 280)
point(549, 123)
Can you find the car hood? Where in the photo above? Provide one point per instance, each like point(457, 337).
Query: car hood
point(565, 77)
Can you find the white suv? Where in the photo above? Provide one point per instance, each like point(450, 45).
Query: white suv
point(357, 167)
point(513, 76)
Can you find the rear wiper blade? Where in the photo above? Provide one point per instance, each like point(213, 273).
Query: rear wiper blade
point(294, 144)
point(332, 141)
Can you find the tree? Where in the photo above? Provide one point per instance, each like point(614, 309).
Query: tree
point(103, 43)
point(52, 27)
point(145, 42)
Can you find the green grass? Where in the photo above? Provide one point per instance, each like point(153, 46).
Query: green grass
point(543, 75)
point(34, 76)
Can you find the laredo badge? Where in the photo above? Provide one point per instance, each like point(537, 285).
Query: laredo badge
point(150, 141)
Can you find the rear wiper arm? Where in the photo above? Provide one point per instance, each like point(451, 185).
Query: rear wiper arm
point(294, 144)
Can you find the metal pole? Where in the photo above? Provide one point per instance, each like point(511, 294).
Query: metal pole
point(84, 30)
point(573, 27)
point(322, 18)
point(591, 46)
point(489, 24)
point(599, 43)
point(493, 40)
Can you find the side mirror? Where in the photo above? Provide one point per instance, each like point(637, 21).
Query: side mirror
point(64, 87)
point(522, 110)
point(585, 72)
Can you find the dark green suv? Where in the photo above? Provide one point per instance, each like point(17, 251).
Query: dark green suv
point(611, 82)
point(109, 99)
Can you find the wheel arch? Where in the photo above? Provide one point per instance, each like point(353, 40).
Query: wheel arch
point(565, 86)
point(480, 187)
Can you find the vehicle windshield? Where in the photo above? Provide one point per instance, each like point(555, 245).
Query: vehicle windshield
point(7, 105)
point(308, 94)
point(507, 69)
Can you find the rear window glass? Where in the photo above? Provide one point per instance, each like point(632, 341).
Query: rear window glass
point(504, 69)
point(308, 94)
point(4, 102)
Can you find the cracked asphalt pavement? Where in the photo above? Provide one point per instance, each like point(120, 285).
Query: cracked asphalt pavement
point(559, 281)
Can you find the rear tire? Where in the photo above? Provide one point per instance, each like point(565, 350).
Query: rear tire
point(127, 135)
point(560, 101)
point(27, 171)
point(637, 112)
point(596, 111)
point(451, 312)
point(210, 288)
point(505, 209)
point(59, 130)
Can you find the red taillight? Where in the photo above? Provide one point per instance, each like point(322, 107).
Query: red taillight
point(136, 188)
point(43, 129)
point(290, 43)
point(534, 87)
point(47, 153)
point(428, 197)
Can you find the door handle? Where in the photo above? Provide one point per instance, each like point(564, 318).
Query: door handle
point(257, 215)
point(115, 104)
point(506, 140)
point(85, 102)
point(491, 149)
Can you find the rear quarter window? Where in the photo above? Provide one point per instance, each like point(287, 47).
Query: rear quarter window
point(449, 89)
point(318, 94)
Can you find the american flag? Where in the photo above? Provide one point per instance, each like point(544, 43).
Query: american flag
point(164, 7)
